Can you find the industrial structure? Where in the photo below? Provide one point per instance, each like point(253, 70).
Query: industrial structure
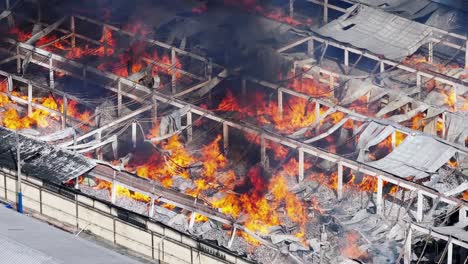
point(303, 132)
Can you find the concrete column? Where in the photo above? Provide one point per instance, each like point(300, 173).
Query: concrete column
point(99, 149)
point(209, 70)
point(192, 220)
point(291, 8)
point(51, 74)
point(151, 210)
point(72, 29)
point(233, 235)
point(225, 138)
point(466, 54)
point(325, 11)
point(263, 151)
point(339, 190)
point(382, 66)
point(189, 127)
point(420, 207)
point(408, 250)
point(280, 103)
point(380, 204)
point(450, 252)
point(455, 99)
point(155, 110)
point(64, 112)
point(301, 165)
point(310, 47)
point(18, 60)
point(134, 132)
point(317, 115)
point(114, 191)
point(119, 98)
point(30, 109)
point(462, 215)
point(346, 57)
point(393, 140)
point(431, 52)
point(444, 132)
point(173, 67)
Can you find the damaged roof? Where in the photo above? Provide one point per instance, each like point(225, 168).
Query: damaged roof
point(40, 159)
point(410, 9)
point(377, 31)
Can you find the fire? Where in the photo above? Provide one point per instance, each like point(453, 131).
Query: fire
point(121, 191)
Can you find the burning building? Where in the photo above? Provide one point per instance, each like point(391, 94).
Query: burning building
point(241, 131)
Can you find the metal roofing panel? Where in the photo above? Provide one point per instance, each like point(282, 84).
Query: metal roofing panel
point(416, 156)
point(42, 160)
point(377, 31)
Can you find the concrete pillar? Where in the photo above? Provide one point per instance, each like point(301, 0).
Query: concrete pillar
point(192, 221)
point(51, 74)
point(30, 109)
point(382, 66)
point(72, 29)
point(346, 57)
point(173, 72)
point(408, 250)
point(18, 60)
point(325, 11)
point(209, 70)
point(380, 204)
point(420, 207)
point(466, 54)
point(233, 235)
point(393, 137)
point(119, 98)
point(155, 110)
point(339, 190)
point(134, 132)
point(431, 52)
point(462, 215)
point(280, 103)
point(114, 192)
point(301, 165)
point(64, 112)
point(99, 149)
point(151, 210)
point(450, 252)
point(189, 127)
point(317, 115)
point(310, 47)
point(444, 119)
point(263, 157)
point(454, 90)
point(225, 138)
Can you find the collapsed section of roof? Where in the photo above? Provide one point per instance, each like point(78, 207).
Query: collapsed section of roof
point(40, 159)
point(410, 9)
point(377, 31)
point(417, 156)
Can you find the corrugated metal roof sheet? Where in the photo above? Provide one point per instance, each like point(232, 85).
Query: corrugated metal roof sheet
point(417, 156)
point(406, 8)
point(377, 31)
point(42, 160)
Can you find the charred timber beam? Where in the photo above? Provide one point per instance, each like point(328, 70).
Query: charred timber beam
point(353, 165)
point(438, 235)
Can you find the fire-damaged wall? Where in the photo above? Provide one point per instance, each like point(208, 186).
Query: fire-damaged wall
point(119, 226)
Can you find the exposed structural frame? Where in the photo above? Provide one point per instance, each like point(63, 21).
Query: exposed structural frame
point(138, 90)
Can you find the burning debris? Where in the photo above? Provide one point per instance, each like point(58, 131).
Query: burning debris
point(322, 166)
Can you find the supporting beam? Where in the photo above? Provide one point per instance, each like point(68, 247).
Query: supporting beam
point(380, 204)
point(408, 247)
point(431, 51)
point(154, 114)
point(450, 252)
point(280, 103)
point(72, 29)
point(114, 190)
point(99, 149)
point(263, 157)
point(339, 190)
point(30, 97)
point(192, 221)
point(134, 132)
point(119, 98)
point(189, 127)
point(346, 57)
point(51, 74)
point(393, 138)
point(382, 66)
point(225, 138)
point(173, 71)
point(233, 235)
point(325, 11)
point(301, 165)
point(310, 47)
point(420, 207)
point(152, 207)
point(64, 112)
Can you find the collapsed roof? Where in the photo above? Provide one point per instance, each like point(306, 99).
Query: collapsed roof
point(40, 159)
point(377, 31)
